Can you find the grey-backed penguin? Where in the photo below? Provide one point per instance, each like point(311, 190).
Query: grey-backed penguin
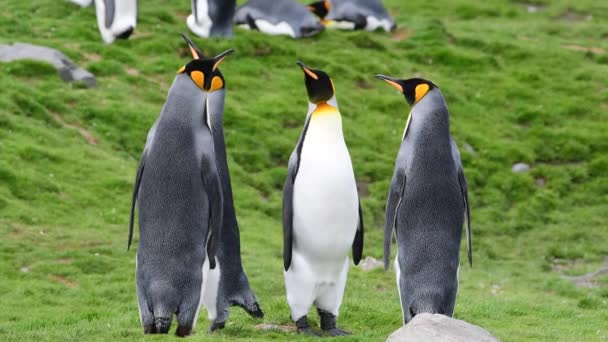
point(179, 195)
point(427, 204)
point(233, 288)
point(278, 17)
point(116, 19)
point(367, 15)
point(211, 18)
point(322, 217)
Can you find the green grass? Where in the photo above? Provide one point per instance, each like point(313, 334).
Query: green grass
point(517, 92)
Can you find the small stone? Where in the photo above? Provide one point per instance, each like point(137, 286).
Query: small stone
point(520, 167)
point(540, 182)
point(370, 263)
point(439, 328)
point(24, 269)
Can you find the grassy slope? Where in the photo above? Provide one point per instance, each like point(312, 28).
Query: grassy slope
point(515, 94)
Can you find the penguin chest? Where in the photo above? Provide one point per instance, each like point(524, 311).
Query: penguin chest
point(325, 197)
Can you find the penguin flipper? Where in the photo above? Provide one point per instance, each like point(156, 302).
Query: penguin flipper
point(288, 210)
point(465, 196)
point(213, 187)
point(358, 242)
point(140, 171)
point(395, 195)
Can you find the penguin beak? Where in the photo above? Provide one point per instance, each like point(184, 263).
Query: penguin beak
point(307, 70)
point(392, 81)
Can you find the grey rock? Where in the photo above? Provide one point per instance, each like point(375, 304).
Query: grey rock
point(370, 263)
point(68, 71)
point(520, 167)
point(439, 328)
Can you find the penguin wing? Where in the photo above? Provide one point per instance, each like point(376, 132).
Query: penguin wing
point(358, 242)
point(465, 196)
point(213, 187)
point(292, 172)
point(395, 194)
point(140, 171)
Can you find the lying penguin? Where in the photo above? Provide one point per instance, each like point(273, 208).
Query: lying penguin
point(427, 204)
point(322, 217)
point(278, 17)
point(367, 15)
point(179, 193)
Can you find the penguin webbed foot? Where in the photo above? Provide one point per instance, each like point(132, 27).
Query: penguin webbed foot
point(216, 326)
point(183, 330)
point(328, 324)
point(304, 328)
point(253, 309)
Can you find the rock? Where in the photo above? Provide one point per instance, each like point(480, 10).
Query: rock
point(68, 71)
point(439, 328)
point(370, 263)
point(520, 167)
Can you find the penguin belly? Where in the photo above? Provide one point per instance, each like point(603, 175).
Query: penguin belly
point(325, 220)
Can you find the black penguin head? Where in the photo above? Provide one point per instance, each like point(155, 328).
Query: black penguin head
point(413, 89)
point(204, 72)
point(318, 84)
point(320, 8)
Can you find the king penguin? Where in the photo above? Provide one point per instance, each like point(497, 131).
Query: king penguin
point(179, 195)
point(278, 17)
point(116, 19)
point(211, 18)
point(427, 204)
point(322, 217)
point(367, 15)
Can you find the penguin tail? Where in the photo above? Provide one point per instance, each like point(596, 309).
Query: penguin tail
point(162, 324)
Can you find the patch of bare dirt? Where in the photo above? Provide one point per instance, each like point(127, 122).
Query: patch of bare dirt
point(589, 280)
point(363, 84)
point(363, 189)
point(591, 49)
point(401, 34)
point(64, 261)
point(83, 132)
point(370, 263)
point(270, 326)
point(63, 280)
point(572, 15)
point(132, 71)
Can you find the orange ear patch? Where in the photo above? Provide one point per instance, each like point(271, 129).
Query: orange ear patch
point(198, 78)
point(216, 83)
point(421, 90)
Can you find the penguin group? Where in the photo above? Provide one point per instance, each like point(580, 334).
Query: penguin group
point(116, 19)
point(188, 253)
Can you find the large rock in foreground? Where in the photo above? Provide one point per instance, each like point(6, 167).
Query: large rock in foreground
point(439, 328)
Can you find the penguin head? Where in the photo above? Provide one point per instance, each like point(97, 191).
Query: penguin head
point(414, 89)
point(318, 84)
point(204, 72)
point(320, 8)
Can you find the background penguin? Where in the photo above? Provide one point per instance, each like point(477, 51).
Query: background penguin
point(116, 19)
point(278, 17)
point(179, 194)
point(321, 213)
point(211, 18)
point(427, 202)
point(233, 287)
point(367, 15)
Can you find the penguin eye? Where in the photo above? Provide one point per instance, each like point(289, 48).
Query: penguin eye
point(216, 83)
point(198, 77)
point(420, 91)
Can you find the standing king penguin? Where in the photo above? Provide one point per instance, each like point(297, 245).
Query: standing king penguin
point(116, 19)
point(427, 204)
point(211, 18)
point(322, 217)
point(179, 193)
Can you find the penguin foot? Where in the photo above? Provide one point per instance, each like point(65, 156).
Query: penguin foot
point(253, 309)
point(336, 332)
point(328, 324)
point(304, 328)
point(216, 326)
point(183, 330)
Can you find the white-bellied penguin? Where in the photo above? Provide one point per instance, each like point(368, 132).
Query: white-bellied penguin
point(322, 217)
point(367, 15)
point(278, 17)
point(427, 203)
point(179, 195)
point(211, 18)
point(116, 19)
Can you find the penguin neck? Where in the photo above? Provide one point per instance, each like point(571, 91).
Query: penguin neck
point(429, 122)
point(185, 103)
point(325, 121)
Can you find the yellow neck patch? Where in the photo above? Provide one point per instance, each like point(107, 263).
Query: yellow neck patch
point(421, 90)
point(325, 109)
